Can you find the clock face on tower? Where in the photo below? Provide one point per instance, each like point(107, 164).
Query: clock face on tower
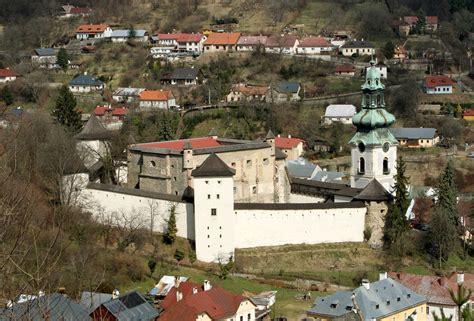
point(386, 147)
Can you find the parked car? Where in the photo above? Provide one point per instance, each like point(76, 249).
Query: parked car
point(189, 105)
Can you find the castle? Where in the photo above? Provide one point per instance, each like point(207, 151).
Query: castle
point(229, 194)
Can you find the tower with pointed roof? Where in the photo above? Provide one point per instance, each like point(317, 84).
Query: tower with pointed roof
point(373, 147)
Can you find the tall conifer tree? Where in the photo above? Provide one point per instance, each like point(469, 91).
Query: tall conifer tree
point(65, 112)
point(446, 193)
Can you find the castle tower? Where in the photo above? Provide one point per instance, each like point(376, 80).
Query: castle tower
point(374, 148)
point(188, 161)
point(270, 139)
point(214, 218)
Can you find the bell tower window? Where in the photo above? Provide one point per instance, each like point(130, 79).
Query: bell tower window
point(362, 165)
point(386, 170)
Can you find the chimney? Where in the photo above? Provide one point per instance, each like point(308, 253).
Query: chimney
point(289, 136)
point(207, 285)
point(460, 277)
point(115, 294)
point(62, 290)
point(382, 276)
point(366, 284)
point(442, 281)
point(195, 290)
point(85, 73)
point(179, 296)
point(177, 282)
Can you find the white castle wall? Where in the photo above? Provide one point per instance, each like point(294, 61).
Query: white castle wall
point(271, 227)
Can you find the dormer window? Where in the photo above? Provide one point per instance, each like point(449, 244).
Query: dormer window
point(408, 295)
point(377, 306)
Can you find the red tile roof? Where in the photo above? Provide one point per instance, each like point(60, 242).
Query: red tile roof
point(252, 40)
point(115, 111)
point(177, 145)
point(287, 142)
point(222, 38)
point(468, 282)
point(435, 81)
point(345, 68)
point(92, 28)
point(216, 303)
point(432, 20)
point(78, 10)
point(159, 95)
point(410, 19)
point(468, 112)
point(7, 73)
point(314, 42)
point(281, 42)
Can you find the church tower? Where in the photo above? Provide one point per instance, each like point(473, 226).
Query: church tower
point(373, 147)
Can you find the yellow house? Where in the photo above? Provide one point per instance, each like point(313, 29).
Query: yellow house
point(384, 300)
point(468, 115)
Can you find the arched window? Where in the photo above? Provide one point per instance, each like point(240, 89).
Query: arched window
point(386, 170)
point(361, 165)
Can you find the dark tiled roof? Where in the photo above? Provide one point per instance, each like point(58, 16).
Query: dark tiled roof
point(85, 80)
point(182, 73)
point(93, 130)
point(131, 306)
point(296, 206)
point(45, 52)
point(348, 191)
point(374, 191)
point(91, 300)
point(279, 155)
point(135, 192)
point(213, 166)
point(286, 87)
point(357, 44)
point(414, 133)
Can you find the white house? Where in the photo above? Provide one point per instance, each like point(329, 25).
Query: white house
point(355, 47)
point(7, 75)
point(314, 46)
point(126, 95)
point(93, 31)
point(44, 58)
point(191, 42)
point(286, 44)
point(250, 43)
point(139, 35)
point(382, 69)
point(221, 41)
point(157, 99)
point(438, 84)
point(339, 113)
point(161, 51)
point(85, 83)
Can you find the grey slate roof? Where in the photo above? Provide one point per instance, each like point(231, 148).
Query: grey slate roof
point(357, 44)
point(93, 130)
point(45, 52)
point(301, 168)
point(374, 191)
point(213, 166)
point(85, 80)
point(287, 87)
point(56, 306)
point(383, 298)
point(131, 306)
point(340, 111)
point(91, 300)
point(182, 73)
point(126, 32)
point(270, 135)
point(328, 176)
point(279, 155)
point(414, 133)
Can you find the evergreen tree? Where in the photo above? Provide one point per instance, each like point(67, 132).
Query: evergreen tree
point(172, 230)
point(388, 50)
point(63, 58)
point(178, 255)
point(421, 22)
point(397, 224)
point(65, 112)
point(442, 236)
point(6, 95)
point(446, 193)
point(132, 33)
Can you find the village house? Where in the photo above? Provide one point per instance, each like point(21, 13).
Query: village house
point(44, 58)
point(93, 31)
point(7, 75)
point(157, 99)
point(85, 83)
point(416, 137)
point(431, 23)
point(221, 41)
point(130, 306)
point(438, 84)
point(339, 38)
point(283, 92)
point(400, 53)
point(468, 115)
point(181, 77)
point(189, 301)
point(285, 44)
point(339, 113)
point(69, 11)
point(293, 147)
point(139, 35)
point(382, 69)
point(385, 299)
point(357, 47)
point(184, 42)
point(345, 70)
point(112, 118)
point(126, 94)
point(245, 92)
point(251, 43)
point(162, 51)
point(314, 46)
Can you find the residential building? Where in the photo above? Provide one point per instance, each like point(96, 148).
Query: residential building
point(314, 46)
point(339, 113)
point(191, 42)
point(438, 84)
point(7, 75)
point(357, 47)
point(431, 22)
point(339, 38)
point(285, 44)
point(162, 51)
point(191, 301)
point(181, 77)
point(415, 137)
point(93, 31)
point(384, 300)
point(284, 91)
point(69, 11)
point(157, 99)
point(382, 69)
point(112, 118)
point(221, 41)
point(468, 115)
point(44, 58)
point(130, 306)
point(400, 53)
point(345, 70)
point(245, 92)
point(139, 35)
point(127, 94)
point(92, 300)
point(85, 83)
point(293, 147)
point(54, 306)
point(251, 43)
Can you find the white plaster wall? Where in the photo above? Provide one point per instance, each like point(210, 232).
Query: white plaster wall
point(300, 198)
point(118, 208)
point(278, 227)
point(245, 309)
point(448, 311)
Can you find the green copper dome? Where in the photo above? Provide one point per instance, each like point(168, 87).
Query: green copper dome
point(373, 120)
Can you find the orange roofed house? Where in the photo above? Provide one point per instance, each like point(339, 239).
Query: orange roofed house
point(7, 75)
point(93, 31)
point(190, 301)
point(221, 41)
point(293, 147)
point(438, 84)
point(157, 99)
